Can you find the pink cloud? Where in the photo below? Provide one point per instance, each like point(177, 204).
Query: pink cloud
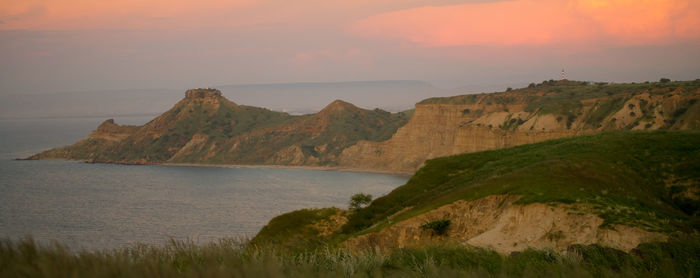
point(122, 14)
point(538, 22)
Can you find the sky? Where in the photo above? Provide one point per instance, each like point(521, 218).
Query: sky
point(81, 45)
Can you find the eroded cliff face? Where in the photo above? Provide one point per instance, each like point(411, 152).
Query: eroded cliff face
point(494, 121)
point(497, 223)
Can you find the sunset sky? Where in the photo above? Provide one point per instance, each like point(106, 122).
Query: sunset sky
point(65, 45)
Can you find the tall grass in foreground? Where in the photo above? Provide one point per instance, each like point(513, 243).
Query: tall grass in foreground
point(233, 258)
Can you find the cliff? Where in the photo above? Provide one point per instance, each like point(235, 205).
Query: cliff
point(616, 189)
point(556, 109)
point(205, 127)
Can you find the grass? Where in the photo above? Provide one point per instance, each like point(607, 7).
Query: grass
point(624, 177)
point(293, 230)
point(233, 258)
point(558, 91)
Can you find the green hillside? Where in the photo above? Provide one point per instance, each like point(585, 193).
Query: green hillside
point(644, 179)
point(314, 139)
point(161, 138)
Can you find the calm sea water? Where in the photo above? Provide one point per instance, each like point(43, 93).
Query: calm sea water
point(102, 206)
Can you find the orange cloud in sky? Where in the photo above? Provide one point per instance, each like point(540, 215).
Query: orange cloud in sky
point(539, 22)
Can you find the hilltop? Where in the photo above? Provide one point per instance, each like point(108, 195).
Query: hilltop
point(615, 189)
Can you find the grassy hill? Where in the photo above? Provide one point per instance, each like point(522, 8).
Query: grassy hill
point(314, 139)
point(645, 179)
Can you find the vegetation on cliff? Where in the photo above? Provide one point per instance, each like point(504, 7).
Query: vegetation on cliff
point(568, 100)
point(645, 179)
point(207, 128)
point(644, 186)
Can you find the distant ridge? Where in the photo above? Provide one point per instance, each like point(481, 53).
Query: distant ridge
point(207, 128)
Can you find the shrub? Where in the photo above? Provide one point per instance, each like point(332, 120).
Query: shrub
point(679, 112)
point(439, 227)
point(359, 200)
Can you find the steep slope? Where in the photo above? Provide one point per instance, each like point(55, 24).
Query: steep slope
point(617, 189)
point(552, 109)
point(205, 127)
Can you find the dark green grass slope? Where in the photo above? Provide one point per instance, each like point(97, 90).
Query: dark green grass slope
point(644, 179)
point(293, 231)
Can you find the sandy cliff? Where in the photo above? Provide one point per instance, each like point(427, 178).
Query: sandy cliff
point(497, 223)
point(449, 126)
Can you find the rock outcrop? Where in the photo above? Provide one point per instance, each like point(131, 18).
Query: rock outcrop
point(202, 93)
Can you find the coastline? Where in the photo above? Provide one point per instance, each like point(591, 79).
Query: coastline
point(294, 167)
point(259, 166)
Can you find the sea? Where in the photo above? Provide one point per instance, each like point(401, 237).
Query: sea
point(94, 207)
